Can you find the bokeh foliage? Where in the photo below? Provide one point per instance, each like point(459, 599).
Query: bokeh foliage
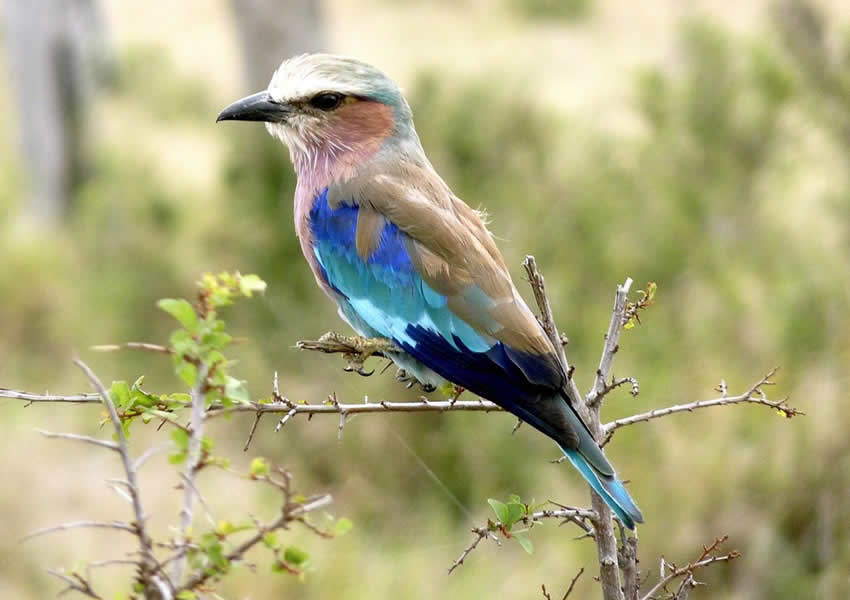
point(731, 191)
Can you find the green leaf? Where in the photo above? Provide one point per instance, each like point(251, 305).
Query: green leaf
point(180, 398)
point(119, 393)
point(187, 372)
point(515, 513)
point(295, 556)
point(342, 526)
point(236, 391)
point(248, 284)
point(181, 439)
point(259, 467)
point(182, 342)
point(176, 458)
point(501, 510)
point(186, 595)
point(524, 542)
point(514, 498)
point(216, 339)
point(224, 528)
point(447, 389)
point(270, 540)
point(181, 310)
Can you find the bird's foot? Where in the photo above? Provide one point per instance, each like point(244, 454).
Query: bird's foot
point(403, 376)
point(360, 349)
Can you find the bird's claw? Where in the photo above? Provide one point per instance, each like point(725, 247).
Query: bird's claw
point(403, 376)
point(354, 367)
point(362, 349)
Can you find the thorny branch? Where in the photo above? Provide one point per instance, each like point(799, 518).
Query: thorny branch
point(150, 574)
point(149, 567)
point(293, 510)
point(754, 395)
point(709, 556)
point(565, 514)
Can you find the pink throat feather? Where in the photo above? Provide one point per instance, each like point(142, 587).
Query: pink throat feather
point(348, 140)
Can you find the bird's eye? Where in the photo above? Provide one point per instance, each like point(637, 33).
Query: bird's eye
point(326, 100)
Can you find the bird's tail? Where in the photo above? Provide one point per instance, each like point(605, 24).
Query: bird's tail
point(609, 488)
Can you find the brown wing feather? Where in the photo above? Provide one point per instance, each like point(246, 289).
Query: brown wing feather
point(451, 248)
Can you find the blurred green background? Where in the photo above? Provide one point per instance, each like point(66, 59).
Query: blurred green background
point(702, 145)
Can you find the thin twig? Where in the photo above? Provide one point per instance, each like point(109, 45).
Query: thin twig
point(754, 395)
point(572, 584)
point(705, 559)
point(118, 525)
point(157, 348)
point(480, 534)
point(149, 565)
point(75, 583)
point(566, 514)
point(34, 398)
point(612, 339)
point(80, 438)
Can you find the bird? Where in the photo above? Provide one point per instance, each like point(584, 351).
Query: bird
point(405, 259)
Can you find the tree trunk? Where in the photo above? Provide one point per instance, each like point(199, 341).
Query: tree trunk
point(270, 31)
point(56, 49)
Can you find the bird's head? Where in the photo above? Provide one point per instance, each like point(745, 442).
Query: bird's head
point(328, 108)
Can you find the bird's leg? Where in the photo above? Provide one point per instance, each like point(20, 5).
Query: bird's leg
point(354, 349)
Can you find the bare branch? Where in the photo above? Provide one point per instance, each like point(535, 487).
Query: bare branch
point(293, 409)
point(754, 395)
point(705, 559)
point(148, 565)
point(75, 583)
point(480, 533)
point(33, 398)
point(612, 339)
point(547, 321)
point(80, 438)
point(157, 348)
point(566, 514)
point(118, 525)
point(148, 454)
point(572, 584)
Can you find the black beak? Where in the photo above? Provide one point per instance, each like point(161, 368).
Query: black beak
point(257, 107)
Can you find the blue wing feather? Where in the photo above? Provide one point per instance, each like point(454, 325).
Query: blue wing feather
point(385, 295)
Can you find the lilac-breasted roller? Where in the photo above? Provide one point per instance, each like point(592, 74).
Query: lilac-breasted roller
point(406, 259)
